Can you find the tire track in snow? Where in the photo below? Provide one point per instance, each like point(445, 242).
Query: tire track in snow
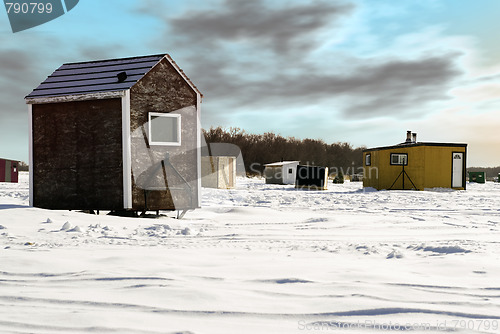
point(22, 327)
point(210, 313)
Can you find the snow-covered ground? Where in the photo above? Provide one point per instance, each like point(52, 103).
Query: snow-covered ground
point(257, 259)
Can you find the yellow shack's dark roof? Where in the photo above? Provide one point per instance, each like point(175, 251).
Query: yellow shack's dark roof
point(418, 144)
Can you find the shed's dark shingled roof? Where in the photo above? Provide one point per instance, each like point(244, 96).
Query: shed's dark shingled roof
point(97, 76)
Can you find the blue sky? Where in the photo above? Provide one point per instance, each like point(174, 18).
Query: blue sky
point(357, 71)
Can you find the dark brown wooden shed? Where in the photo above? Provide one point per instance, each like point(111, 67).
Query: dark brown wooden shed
point(116, 134)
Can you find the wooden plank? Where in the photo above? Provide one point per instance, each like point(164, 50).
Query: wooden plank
point(30, 161)
point(126, 152)
point(76, 97)
point(80, 90)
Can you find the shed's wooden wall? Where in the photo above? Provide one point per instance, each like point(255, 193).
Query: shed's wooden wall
point(77, 155)
point(438, 166)
point(311, 177)
point(273, 174)
point(371, 175)
point(382, 175)
point(290, 172)
point(156, 184)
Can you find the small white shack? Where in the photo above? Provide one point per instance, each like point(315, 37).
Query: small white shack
point(218, 172)
point(283, 172)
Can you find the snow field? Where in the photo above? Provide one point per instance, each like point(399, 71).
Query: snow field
point(257, 259)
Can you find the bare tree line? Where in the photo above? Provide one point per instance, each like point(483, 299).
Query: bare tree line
point(490, 172)
point(260, 149)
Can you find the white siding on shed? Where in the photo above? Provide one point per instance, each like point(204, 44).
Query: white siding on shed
point(283, 172)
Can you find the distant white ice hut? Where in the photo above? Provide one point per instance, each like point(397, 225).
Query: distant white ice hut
point(283, 172)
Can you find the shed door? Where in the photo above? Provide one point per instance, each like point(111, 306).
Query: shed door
point(224, 175)
point(231, 173)
point(14, 172)
point(8, 172)
point(457, 170)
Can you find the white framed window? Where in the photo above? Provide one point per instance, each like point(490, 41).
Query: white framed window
point(368, 159)
point(399, 159)
point(164, 129)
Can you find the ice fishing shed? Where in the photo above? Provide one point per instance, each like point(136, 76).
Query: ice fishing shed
point(9, 170)
point(218, 172)
point(415, 165)
point(283, 172)
point(116, 134)
point(478, 177)
point(311, 177)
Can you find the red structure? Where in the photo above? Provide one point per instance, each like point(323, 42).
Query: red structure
point(9, 170)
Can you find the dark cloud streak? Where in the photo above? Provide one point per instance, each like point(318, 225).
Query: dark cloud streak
point(18, 74)
point(285, 30)
point(388, 88)
point(245, 54)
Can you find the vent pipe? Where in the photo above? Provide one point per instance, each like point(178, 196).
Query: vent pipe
point(408, 136)
point(122, 76)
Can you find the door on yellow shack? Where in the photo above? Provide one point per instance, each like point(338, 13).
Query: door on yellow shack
point(457, 170)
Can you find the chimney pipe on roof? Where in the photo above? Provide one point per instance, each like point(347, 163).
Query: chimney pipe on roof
point(122, 76)
point(408, 136)
point(414, 137)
